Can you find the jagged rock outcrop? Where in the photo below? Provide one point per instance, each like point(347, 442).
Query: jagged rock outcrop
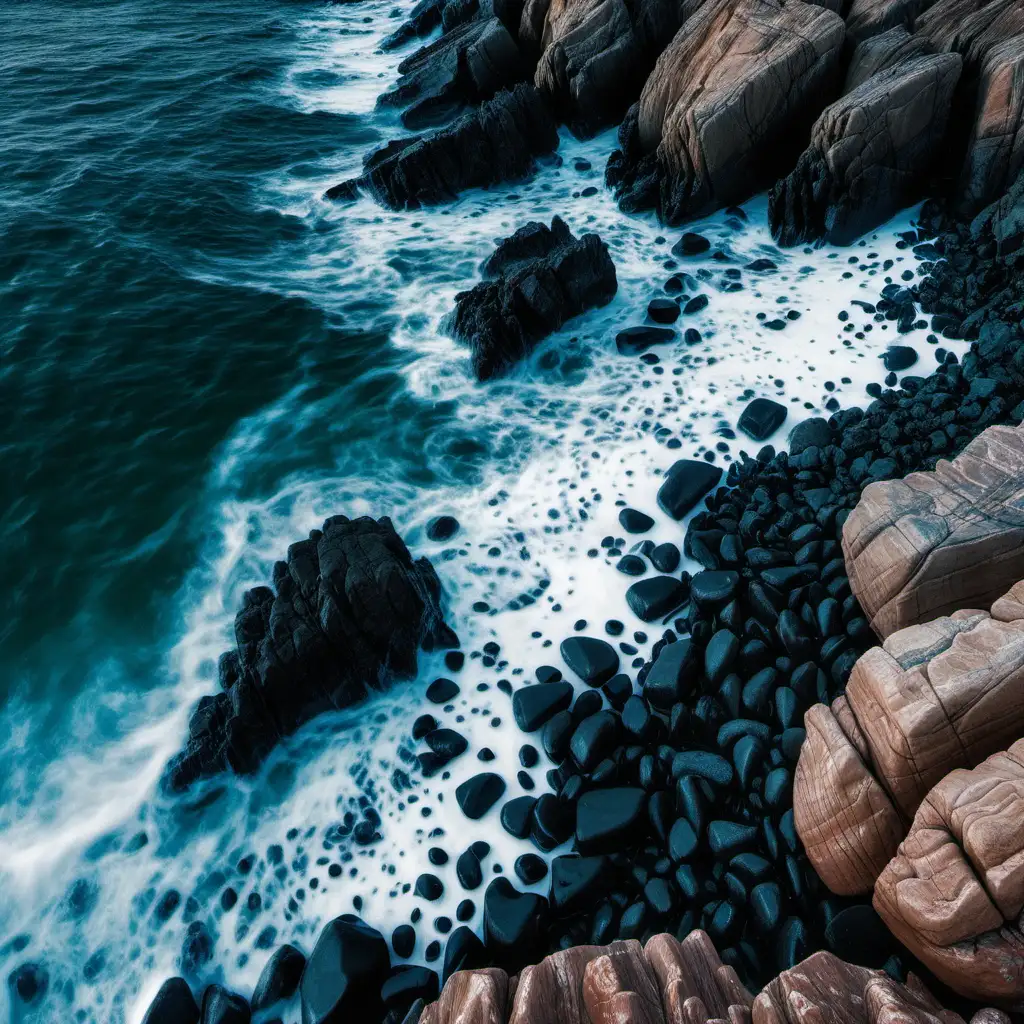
point(932, 543)
point(534, 282)
point(882, 52)
point(973, 28)
point(955, 891)
point(868, 154)
point(728, 99)
point(937, 696)
point(672, 982)
point(1004, 221)
point(465, 66)
point(494, 143)
point(348, 613)
point(867, 18)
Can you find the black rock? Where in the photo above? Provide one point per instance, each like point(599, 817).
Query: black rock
point(899, 357)
point(811, 433)
point(467, 867)
point(345, 972)
point(609, 819)
point(634, 340)
point(686, 482)
point(631, 565)
point(286, 668)
point(656, 597)
point(174, 1004)
point(223, 1007)
point(534, 282)
point(577, 882)
point(403, 940)
point(728, 838)
point(671, 673)
point(594, 740)
point(665, 558)
point(530, 868)
point(618, 690)
point(513, 921)
point(440, 691)
point(516, 818)
point(279, 978)
point(442, 528)
point(594, 661)
point(429, 887)
point(682, 840)
point(633, 521)
point(464, 952)
point(663, 311)
point(705, 765)
point(720, 655)
point(691, 244)
point(476, 796)
point(406, 985)
point(714, 588)
point(534, 705)
point(761, 418)
point(766, 905)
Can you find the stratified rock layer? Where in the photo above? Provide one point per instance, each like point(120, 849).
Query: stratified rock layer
point(350, 612)
point(932, 543)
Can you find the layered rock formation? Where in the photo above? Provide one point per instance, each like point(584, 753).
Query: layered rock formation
point(348, 613)
point(934, 697)
point(716, 114)
point(868, 153)
point(955, 891)
point(933, 543)
point(534, 282)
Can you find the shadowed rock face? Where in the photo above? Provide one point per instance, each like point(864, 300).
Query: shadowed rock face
point(970, 27)
point(1004, 219)
point(867, 18)
point(934, 697)
point(350, 612)
point(882, 52)
point(717, 111)
point(868, 151)
point(954, 892)
point(540, 277)
point(932, 543)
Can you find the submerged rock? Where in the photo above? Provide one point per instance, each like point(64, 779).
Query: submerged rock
point(534, 282)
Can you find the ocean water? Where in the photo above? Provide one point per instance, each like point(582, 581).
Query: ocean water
point(201, 359)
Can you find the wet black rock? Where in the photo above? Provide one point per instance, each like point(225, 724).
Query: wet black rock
point(576, 882)
point(535, 281)
point(663, 311)
point(467, 867)
point(440, 691)
point(476, 796)
point(345, 972)
point(656, 597)
point(403, 940)
point(594, 661)
point(686, 482)
point(530, 868)
point(442, 528)
point(691, 244)
point(631, 565)
point(496, 142)
point(428, 887)
point(899, 357)
point(279, 978)
point(634, 340)
point(534, 705)
point(671, 674)
point(761, 418)
point(810, 433)
point(407, 984)
point(608, 819)
point(464, 952)
point(594, 739)
point(352, 587)
point(173, 1004)
point(223, 1007)
point(517, 817)
point(665, 558)
point(513, 922)
point(714, 588)
point(633, 521)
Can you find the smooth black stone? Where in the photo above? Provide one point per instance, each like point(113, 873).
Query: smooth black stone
point(587, 703)
point(345, 971)
point(429, 887)
point(407, 984)
point(761, 418)
point(423, 725)
point(403, 940)
point(663, 311)
point(659, 897)
point(712, 767)
point(279, 978)
point(447, 743)
point(714, 588)
point(533, 705)
point(618, 690)
point(442, 528)
point(594, 740)
point(465, 910)
point(223, 1007)
point(740, 727)
point(440, 691)
point(173, 1004)
point(464, 952)
point(785, 577)
point(766, 906)
point(516, 818)
point(724, 923)
point(797, 643)
point(696, 304)
point(656, 597)
point(553, 821)
point(631, 565)
point(793, 944)
point(595, 661)
point(752, 867)
point(727, 838)
point(686, 482)
point(528, 756)
point(577, 882)
point(476, 796)
point(633, 521)
point(556, 735)
point(720, 655)
point(899, 357)
point(758, 690)
point(547, 674)
point(748, 756)
point(607, 819)
point(467, 867)
point(811, 433)
point(691, 244)
point(634, 340)
point(665, 558)
point(513, 921)
point(530, 868)
point(672, 671)
point(682, 840)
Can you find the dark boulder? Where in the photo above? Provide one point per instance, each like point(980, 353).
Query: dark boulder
point(761, 418)
point(349, 611)
point(656, 597)
point(631, 341)
point(686, 482)
point(534, 282)
point(607, 820)
point(594, 661)
point(476, 796)
point(513, 922)
point(533, 705)
point(279, 978)
point(223, 1007)
point(174, 1004)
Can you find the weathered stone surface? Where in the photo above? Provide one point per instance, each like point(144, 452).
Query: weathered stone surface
point(970, 27)
point(553, 989)
point(471, 997)
point(1004, 219)
point(715, 116)
point(881, 52)
point(350, 611)
point(954, 892)
point(868, 154)
point(494, 143)
point(932, 543)
point(867, 18)
point(620, 987)
point(934, 697)
point(535, 281)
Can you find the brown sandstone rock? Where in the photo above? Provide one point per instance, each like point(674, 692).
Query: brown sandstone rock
point(934, 697)
point(954, 892)
point(869, 151)
point(932, 543)
point(470, 997)
point(620, 987)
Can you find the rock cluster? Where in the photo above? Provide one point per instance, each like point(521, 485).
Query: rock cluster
point(348, 613)
point(534, 282)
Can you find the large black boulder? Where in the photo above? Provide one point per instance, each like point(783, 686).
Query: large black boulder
point(279, 978)
point(223, 1007)
point(536, 280)
point(347, 615)
point(686, 482)
point(513, 922)
point(343, 977)
point(173, 1004)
